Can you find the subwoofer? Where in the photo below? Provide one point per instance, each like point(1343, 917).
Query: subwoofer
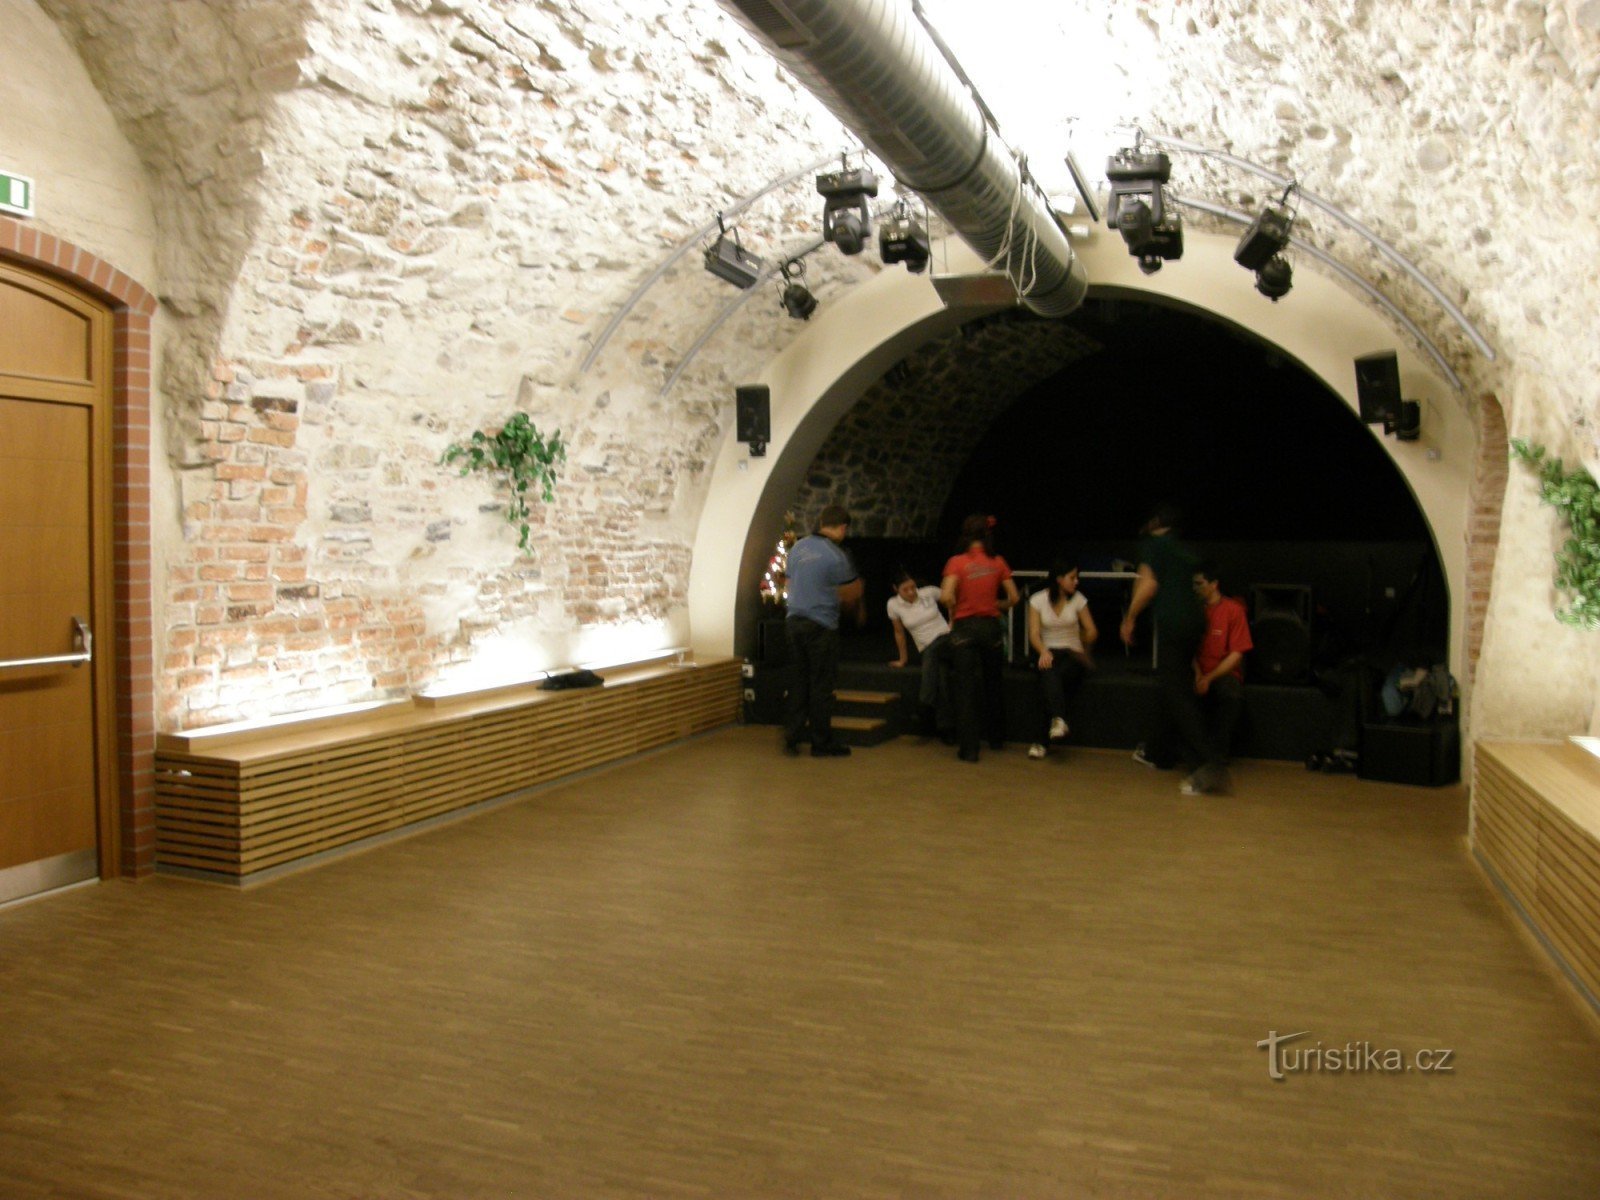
point(1280, 627)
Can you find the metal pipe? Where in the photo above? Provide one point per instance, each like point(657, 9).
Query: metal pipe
point(688, 243)
point(733, 306)
point(875, 67)
point(1344, 218)
point(1343, 272)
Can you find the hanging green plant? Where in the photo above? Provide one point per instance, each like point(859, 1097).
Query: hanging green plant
point(1576, 496)
point(521, 456)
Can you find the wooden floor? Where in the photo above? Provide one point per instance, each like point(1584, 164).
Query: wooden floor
point(720, 972)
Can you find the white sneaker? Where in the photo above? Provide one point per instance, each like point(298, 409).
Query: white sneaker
point(1058, 729)
point(1036, 750)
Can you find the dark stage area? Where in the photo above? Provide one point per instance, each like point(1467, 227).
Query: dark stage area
point(1280, 485)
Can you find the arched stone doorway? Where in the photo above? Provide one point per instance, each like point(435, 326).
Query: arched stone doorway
point(822, 374)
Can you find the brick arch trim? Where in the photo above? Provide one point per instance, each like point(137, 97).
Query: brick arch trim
point(132, 310)
point(1489, 476)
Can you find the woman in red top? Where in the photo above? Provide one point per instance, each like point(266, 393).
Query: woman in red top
point(974, 581)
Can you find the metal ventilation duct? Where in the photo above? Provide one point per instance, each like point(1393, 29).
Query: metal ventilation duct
point(876, 68)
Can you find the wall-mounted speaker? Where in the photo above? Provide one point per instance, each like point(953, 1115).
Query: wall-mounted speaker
point(1378, 388)
point(752, 409)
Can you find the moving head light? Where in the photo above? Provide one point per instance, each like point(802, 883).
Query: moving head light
point(846, 214)
point(903, 238)
point(1268, 234)
point(1138, 209)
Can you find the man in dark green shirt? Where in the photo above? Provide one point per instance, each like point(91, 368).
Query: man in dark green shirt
point(1165, 585)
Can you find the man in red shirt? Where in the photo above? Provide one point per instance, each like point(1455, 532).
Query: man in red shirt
point(1219, 662)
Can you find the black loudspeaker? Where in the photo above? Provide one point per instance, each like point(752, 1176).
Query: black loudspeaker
point(752, 407)
point(1378, 388)
point(1280, 627)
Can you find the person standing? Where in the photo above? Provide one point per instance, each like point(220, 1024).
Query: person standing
point(915, 610)
point(1165, 585)
point(1219, 663)
point(973, 580)
point(1060, 632)
point(822, 581)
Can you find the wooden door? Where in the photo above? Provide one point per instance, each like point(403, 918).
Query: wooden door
point(55, 767)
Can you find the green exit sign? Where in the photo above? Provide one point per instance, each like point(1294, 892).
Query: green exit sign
point(16, 195)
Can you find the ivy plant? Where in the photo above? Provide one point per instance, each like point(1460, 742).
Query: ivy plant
point(1576, 496)
point(519, 455)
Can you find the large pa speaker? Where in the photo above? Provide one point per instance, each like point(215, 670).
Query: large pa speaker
point(1378, 388)
point(752, 408)
point(1280, 627)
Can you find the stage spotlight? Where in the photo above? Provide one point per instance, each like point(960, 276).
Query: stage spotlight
point(795, 297)
point(730, 261)
point(1275, 278)
point(1265, 239)
point(846, 213)
point(1152, 230)
point(903, 238)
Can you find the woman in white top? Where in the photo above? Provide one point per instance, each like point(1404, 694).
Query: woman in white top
point(1061, 632)
point(915, 610)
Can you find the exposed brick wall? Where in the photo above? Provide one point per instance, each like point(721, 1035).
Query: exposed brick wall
point(132, 308)
point(1489, 475)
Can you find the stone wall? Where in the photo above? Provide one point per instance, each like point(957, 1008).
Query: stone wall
point(384, 224)
point(894, 458)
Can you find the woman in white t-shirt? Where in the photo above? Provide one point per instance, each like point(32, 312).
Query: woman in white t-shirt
point(915, 610)
point(1061, 632)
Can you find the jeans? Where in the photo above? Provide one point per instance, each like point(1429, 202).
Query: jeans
point(813, 665)
point(1058, 684)
point(976, 647)
point(934, 690)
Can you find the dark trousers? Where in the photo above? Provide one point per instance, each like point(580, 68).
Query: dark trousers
point(976, 650)
point(933, 690)
point(1058, 684)
point(813, 666)
point(1181, 725)
point(1223, 702)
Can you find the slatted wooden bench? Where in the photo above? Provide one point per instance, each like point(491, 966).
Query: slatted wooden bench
point(232, 803)
point(1536, 829)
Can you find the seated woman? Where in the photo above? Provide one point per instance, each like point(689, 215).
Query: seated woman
point(915, 610)
point(1061, 632)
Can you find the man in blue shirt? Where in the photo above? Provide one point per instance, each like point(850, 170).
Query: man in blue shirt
point(821, 581)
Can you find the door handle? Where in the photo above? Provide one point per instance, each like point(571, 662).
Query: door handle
point(81, 636)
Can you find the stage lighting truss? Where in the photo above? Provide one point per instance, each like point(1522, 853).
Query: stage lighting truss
point(1138, 209)
point(795, 297)
point(846, 209)
point(904, 238)
point(1261, 247)
point(729, 260)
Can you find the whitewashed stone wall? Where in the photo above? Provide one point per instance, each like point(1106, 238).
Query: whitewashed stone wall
point(386, 223)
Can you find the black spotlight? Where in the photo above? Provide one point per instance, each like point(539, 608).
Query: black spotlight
point(730, 261)
point(1275, 278)
point(903, 238)
point(1265, 239)
point(846, 213)
point(795, 297)
point(1138, 210)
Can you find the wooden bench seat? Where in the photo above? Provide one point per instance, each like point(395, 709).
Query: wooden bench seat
point(1536, 829)
point(234, 802)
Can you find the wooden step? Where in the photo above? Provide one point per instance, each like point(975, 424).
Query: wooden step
point(856, 696)
point(863, 731)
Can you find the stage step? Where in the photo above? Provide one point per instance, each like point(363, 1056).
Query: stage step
point(863, 731)
point(858, 696)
